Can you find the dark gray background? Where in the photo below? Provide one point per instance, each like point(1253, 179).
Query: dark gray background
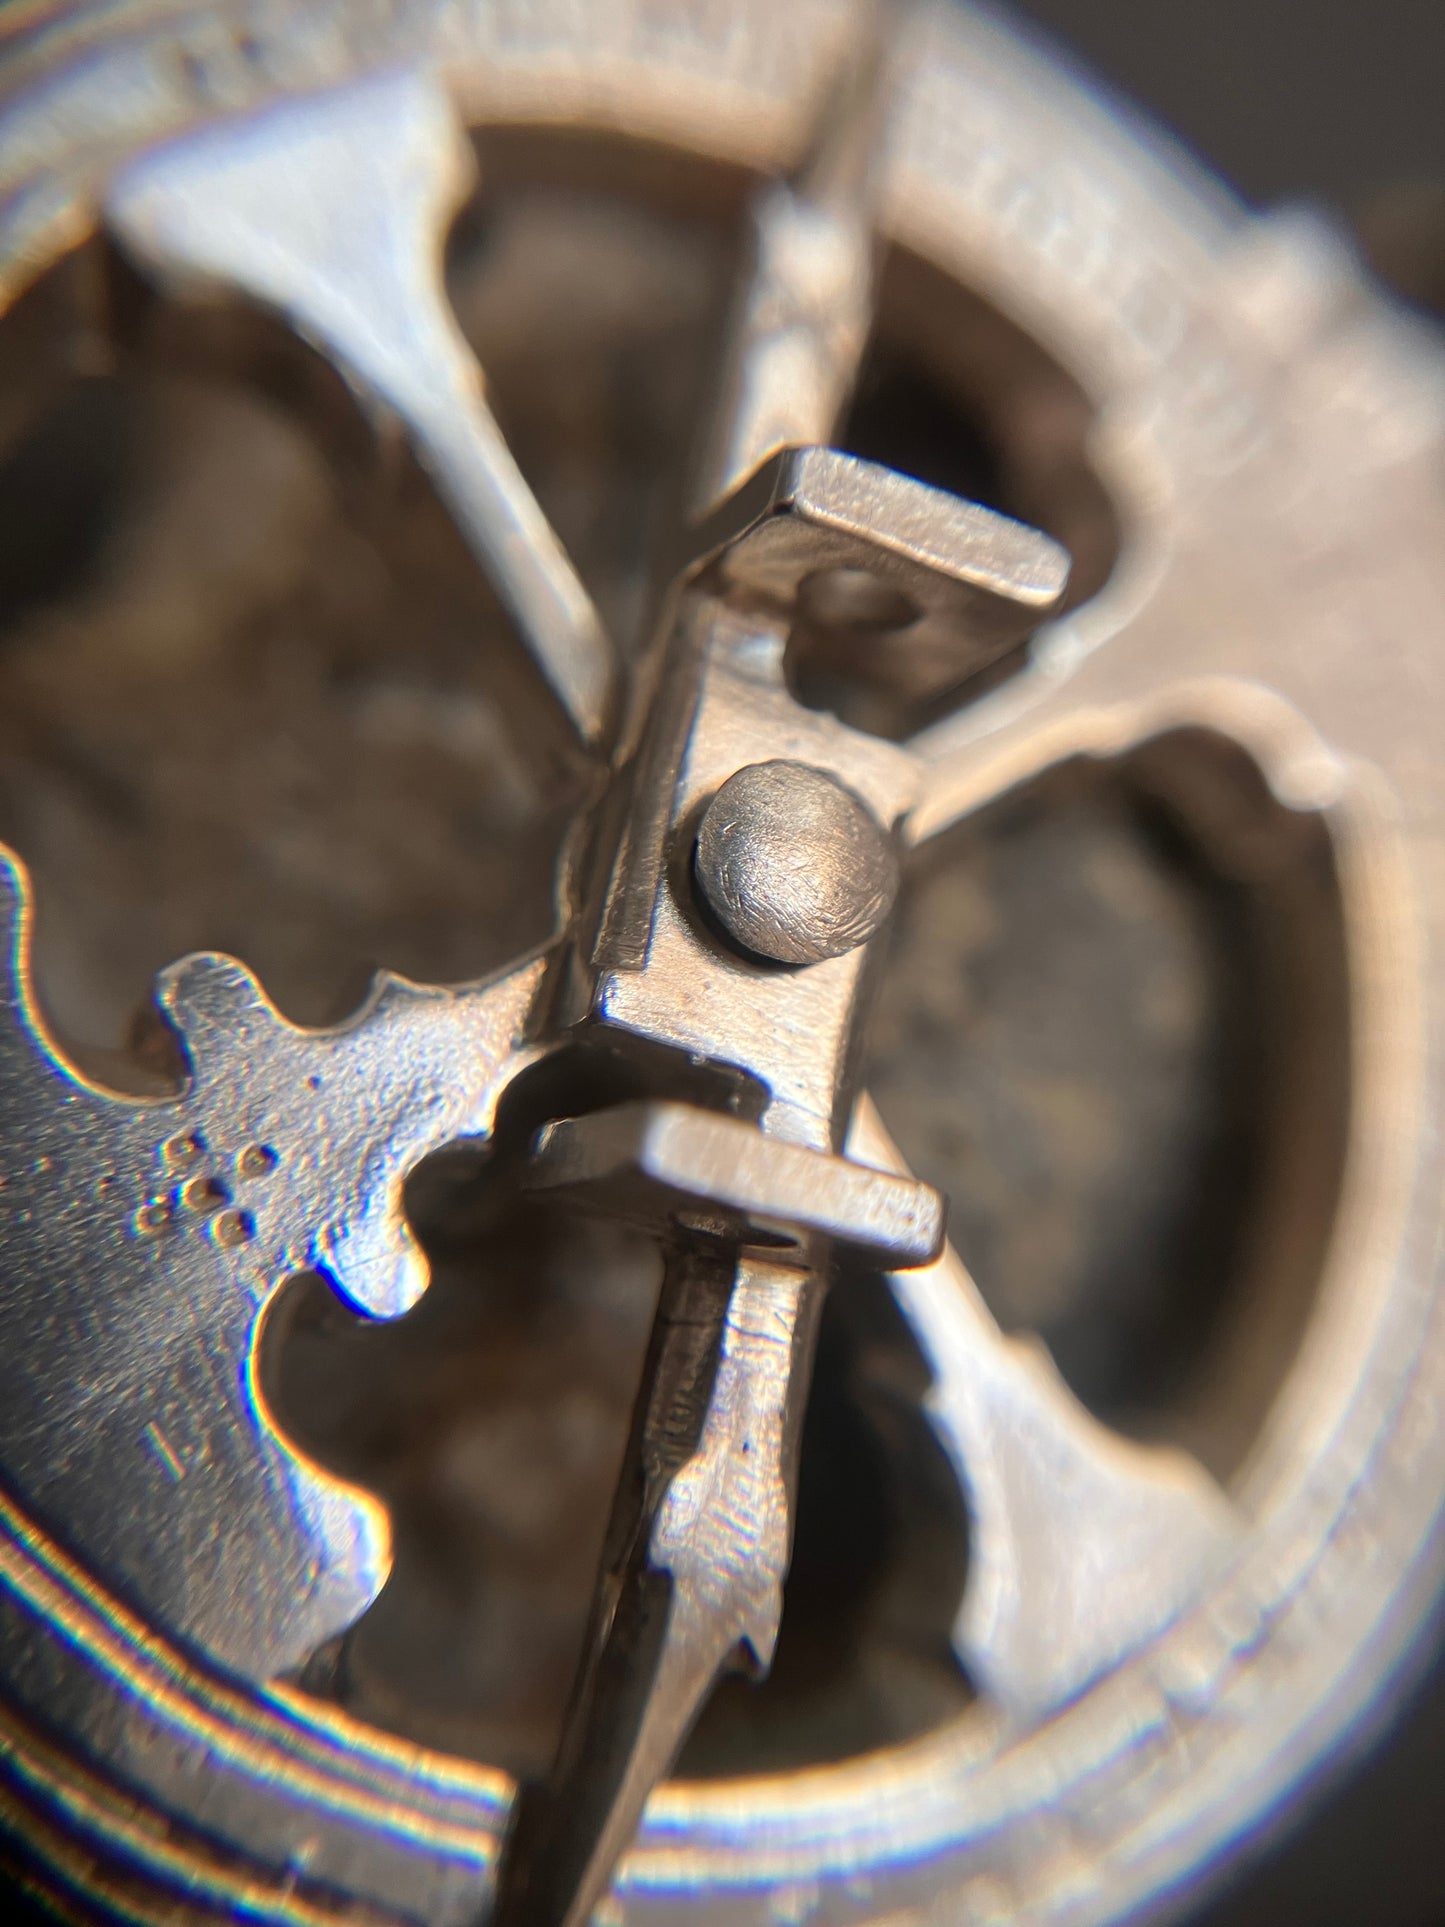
point(1331, 98)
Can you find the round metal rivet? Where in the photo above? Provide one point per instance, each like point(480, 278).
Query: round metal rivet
point(793, 865)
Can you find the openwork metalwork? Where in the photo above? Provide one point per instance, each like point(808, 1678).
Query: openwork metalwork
point(1159, 1658)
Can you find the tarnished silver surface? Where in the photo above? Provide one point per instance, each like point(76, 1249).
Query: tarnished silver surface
point(1159, 1662)
point(804, 305)
point(702, 1528)
point(792, 865)
point(839, 543)
point(285, 1153)
point(271, 207)
point(1067, 1514)
point(661, 1162)
point(692, 1570)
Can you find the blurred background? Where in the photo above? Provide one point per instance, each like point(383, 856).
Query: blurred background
point(1339, 103)
point(1326, 100)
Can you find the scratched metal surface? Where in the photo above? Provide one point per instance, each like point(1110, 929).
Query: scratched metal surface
point(254, 697)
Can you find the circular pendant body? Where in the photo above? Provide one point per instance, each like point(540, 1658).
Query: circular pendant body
point(1270, 435)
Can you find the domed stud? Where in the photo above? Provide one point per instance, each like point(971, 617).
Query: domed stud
point(793, 866)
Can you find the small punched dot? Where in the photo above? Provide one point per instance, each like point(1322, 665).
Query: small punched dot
point(256, 1161)
point(233, 1228)
point(183, 1149)
point(152, 1218)
point(203, 1194)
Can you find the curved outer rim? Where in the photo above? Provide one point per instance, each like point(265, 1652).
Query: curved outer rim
point(1012, 180)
